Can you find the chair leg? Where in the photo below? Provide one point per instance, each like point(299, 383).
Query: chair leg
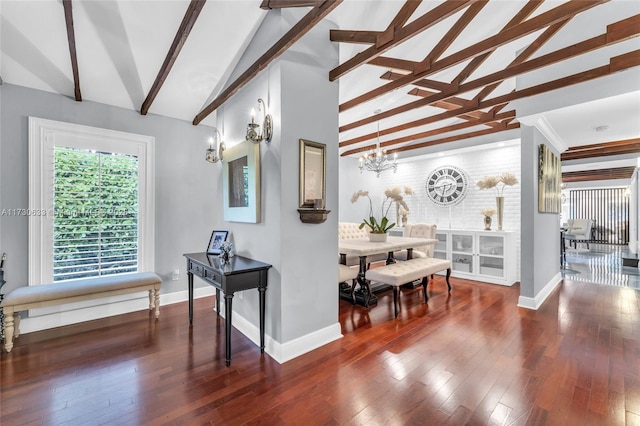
point(448, 275)
point(396, 290)
point(353, 291)
point(425, 281)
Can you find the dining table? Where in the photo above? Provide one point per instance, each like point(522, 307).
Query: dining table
point(362, 248)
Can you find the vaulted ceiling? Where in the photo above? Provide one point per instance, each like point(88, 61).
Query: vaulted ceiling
point(414, 76)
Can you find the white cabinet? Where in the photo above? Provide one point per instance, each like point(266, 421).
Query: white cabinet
point(479, 255)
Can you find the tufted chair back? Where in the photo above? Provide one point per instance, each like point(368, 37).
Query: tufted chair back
point(422, 230)
point(349, 230)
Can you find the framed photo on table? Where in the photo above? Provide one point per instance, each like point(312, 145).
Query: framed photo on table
point(216, 240)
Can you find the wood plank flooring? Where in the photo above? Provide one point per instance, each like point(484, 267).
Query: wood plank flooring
point(469, 357)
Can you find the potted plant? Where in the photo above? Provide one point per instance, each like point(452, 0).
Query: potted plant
point(378, 228)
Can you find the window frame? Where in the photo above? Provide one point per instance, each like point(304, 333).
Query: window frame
point(43, 135)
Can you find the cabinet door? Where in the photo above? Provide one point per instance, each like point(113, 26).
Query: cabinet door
point(440, 249)
point(491, 253)
point(462, 249)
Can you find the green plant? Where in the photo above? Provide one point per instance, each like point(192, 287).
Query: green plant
point(391, 195)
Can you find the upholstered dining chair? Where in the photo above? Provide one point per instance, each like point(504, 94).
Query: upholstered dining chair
point(418, 230)
point(578, 231)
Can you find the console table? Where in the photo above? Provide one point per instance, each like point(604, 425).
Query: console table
point(240, 273)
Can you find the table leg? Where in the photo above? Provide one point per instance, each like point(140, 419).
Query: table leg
point(262, 291)
point(227, 328)
point(410, 253)
point(217, 301)
point(364, 285)
point(190, 286)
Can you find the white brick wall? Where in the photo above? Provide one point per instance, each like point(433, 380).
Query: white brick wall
point(465, 215)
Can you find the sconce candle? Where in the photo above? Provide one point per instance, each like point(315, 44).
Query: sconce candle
point(257, 133)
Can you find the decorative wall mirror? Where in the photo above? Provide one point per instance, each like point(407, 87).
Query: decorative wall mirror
point(312, 196)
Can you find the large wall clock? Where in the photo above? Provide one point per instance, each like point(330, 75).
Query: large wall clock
point(447, 185)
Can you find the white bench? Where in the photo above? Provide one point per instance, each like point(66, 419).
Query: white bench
point(400, 273)
point(38, 296)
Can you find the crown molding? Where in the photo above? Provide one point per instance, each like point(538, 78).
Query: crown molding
point(540, 122)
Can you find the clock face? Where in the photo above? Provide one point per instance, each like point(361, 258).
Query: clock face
point(447, 185)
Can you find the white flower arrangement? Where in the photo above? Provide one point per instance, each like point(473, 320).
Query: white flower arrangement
point(226, 249)
point(391, 195)
point(497, 182)
point(488, 211)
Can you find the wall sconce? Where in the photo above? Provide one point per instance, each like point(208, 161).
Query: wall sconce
point(254, 133)
point(215, 149)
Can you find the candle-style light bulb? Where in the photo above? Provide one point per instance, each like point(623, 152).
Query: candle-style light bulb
point(253, 116)
point(210, 142)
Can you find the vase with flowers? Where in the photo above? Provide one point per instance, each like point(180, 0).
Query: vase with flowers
point(226, 252)
point(378, 228)
point(498, 183)
point(487, 212)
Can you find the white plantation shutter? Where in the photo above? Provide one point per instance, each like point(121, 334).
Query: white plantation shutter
point(91, 202)
point(95, 224)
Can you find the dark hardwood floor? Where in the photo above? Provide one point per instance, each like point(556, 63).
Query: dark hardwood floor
point(469, 357)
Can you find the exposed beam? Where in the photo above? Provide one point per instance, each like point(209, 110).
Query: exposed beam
point(512, 71)
point(627, 146)
point(429, 19)
point(346, 36)
point(71, 38)
point(618, 63)
point(599, 174)
point(503, 127)
point(180, 38)
point(484, 119)
point(282, 4)
point(303, 26)
point(508, 35)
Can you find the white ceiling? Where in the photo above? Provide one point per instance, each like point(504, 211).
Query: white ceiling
point(121, 46)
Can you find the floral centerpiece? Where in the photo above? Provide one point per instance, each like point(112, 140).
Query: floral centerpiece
point(226, 251)
point(498, 183)
point(382, 225)
point(403, 213)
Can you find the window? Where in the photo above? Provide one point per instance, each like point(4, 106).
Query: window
point(90, 202)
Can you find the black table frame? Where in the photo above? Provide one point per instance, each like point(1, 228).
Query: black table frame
point(240, 273)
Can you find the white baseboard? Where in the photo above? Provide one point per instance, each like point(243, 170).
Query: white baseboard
point(281, 352)
point(534, 303)
point(74, 316)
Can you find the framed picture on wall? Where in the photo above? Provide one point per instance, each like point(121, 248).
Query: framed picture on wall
point(549, 181)
point(241, 183)
point(216, 240)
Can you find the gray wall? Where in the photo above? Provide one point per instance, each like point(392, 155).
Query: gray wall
point(184, 214)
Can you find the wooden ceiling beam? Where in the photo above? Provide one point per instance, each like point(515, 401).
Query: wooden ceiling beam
point(508, 35)
point(475, 63)
point(629, 60)
point(282, 4)
point(346, 36)
point(315, 15)
point(599, 174)
point(485, 119)
point(577, 49)
point(503, 127)
point(627, 146)
point(429, 19)
point(189, 19)
point(71, 38)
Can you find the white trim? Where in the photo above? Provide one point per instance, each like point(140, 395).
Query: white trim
point(536, 302)
point(140, 303)
point(43, 136)
point(540, 122)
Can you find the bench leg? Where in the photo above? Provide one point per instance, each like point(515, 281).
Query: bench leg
point(16, 325)
point(8, 333)
point(448, 275)
point(396, 290)
point(151, 300)
point(353, 291)
point(425, 281)
point(156, 301)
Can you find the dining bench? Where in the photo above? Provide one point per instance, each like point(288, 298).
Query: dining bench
point(39, 296)
point(400, 273)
